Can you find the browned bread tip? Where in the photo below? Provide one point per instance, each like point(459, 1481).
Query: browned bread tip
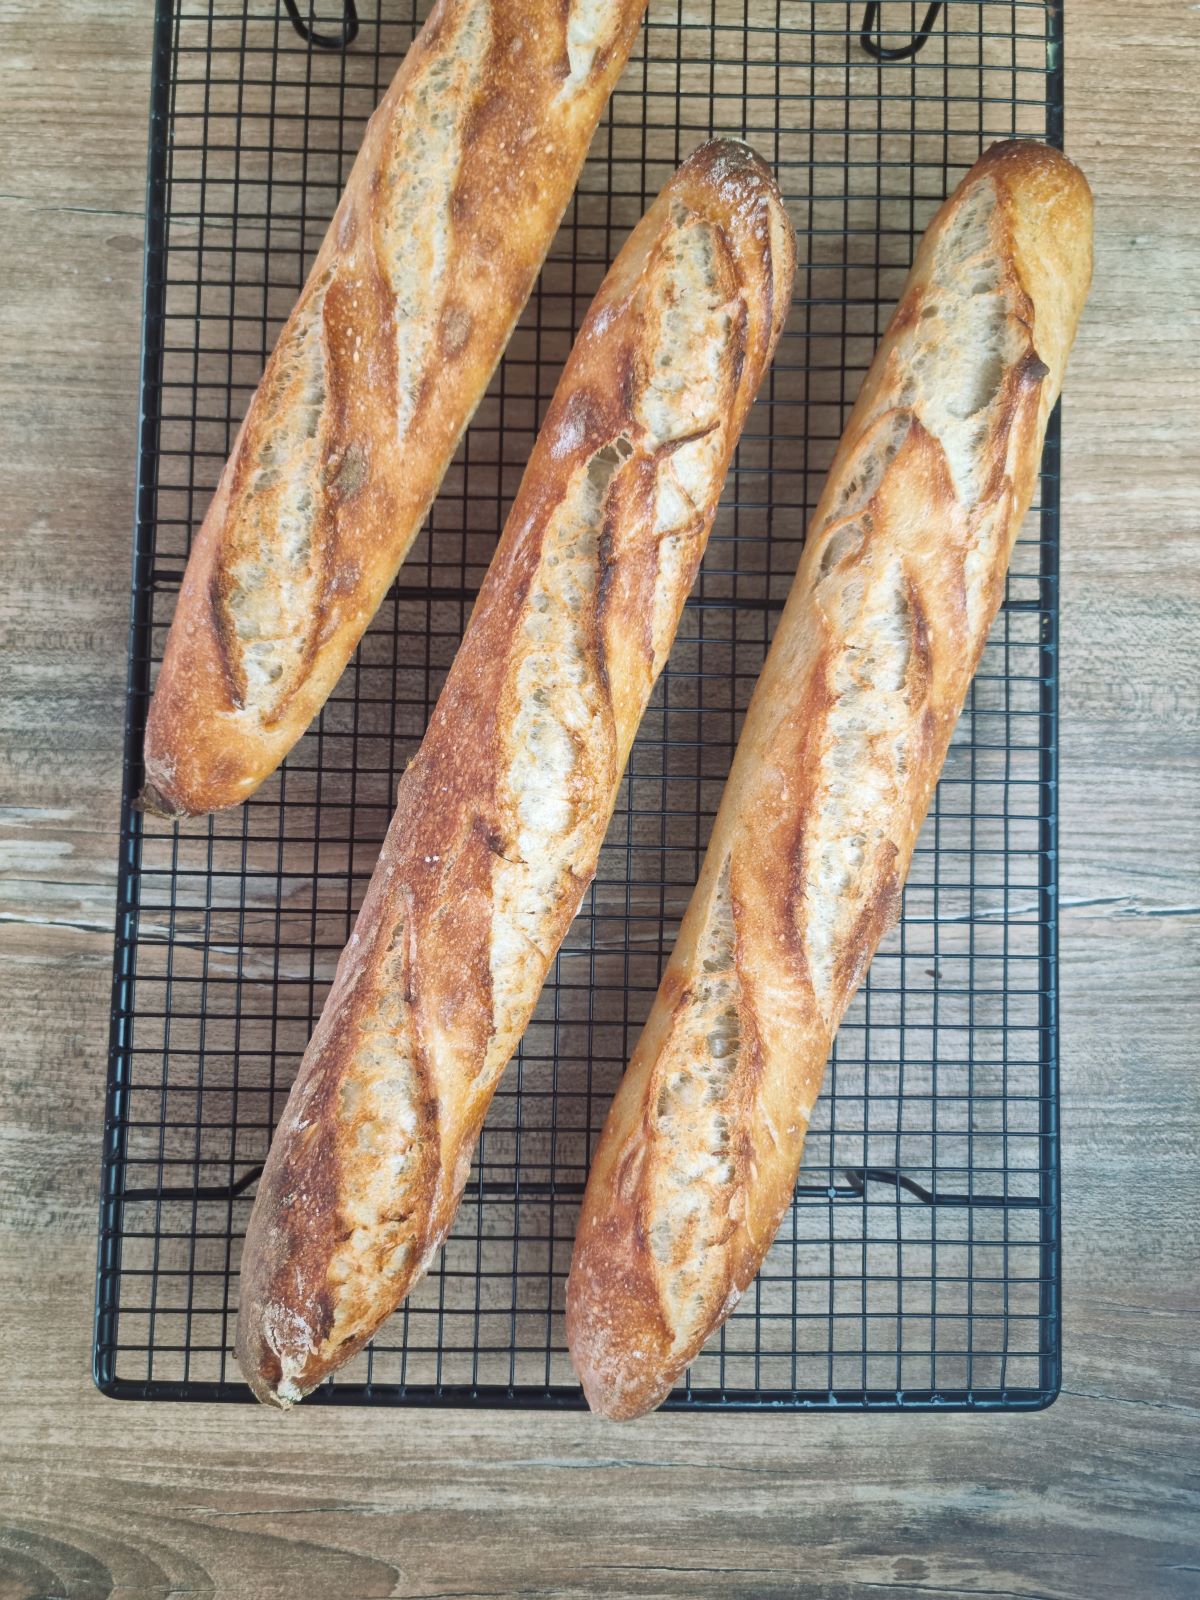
point(901, 577)
point(501, 816)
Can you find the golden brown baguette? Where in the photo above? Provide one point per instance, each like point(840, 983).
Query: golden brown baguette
point(501, 816)
point(453, 200)
point(901, 577)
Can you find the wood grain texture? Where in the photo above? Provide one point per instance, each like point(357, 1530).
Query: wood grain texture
point(1094, 1500)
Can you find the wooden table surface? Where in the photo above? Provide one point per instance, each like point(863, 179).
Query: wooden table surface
point(1096, 1498)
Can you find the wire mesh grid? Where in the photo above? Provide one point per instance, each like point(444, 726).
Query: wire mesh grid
point(918, 1265)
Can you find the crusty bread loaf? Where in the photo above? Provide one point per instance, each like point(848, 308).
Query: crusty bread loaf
point(464, 173)
point(900, 580)
point(501, 816)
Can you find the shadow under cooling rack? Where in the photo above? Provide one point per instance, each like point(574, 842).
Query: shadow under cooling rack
point(918, 1265)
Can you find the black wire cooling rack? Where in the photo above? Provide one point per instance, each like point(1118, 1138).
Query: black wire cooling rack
point(919, 1264)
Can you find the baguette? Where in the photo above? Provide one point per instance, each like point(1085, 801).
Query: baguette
point(501, 816)
point(901, 577)
point(464, 173)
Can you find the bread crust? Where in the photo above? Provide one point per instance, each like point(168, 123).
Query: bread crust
point(464, 172)
point(901, 577)
point(501, 816)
